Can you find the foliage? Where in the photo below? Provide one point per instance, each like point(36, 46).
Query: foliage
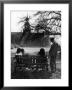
point(49, 21)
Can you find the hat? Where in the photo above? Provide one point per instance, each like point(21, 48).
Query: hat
point(51, 36)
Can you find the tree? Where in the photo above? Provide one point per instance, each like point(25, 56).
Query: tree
point(26, 27)
point(42, 24)
point(50, 21)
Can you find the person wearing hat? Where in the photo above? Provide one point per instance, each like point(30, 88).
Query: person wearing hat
point(53, 54)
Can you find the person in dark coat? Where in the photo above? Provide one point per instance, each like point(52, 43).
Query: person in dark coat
point(53, 53)
point(43, 59)
point(42, 52)
point(19, 55)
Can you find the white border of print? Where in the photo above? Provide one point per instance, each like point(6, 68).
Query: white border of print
point(8, 82)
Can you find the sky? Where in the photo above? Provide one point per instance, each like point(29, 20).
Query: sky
point(16, 17)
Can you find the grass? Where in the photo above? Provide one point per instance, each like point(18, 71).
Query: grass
point(24, 73)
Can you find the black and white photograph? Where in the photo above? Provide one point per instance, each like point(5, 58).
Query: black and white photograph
point(35, 44)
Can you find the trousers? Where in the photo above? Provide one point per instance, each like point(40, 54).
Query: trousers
point(53, 63)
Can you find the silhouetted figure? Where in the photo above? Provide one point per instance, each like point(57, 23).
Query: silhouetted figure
point(53, 53)
point(43, 59)
point(19, 55)
point(22, 50)
point(42, 52)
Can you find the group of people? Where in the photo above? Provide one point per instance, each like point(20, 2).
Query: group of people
point(52, 54)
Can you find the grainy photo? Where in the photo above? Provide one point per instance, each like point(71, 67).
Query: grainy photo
point(35, 44)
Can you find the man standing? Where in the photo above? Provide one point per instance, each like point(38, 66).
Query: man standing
point(53, 54)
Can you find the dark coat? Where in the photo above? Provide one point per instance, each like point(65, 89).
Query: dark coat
point(53, 50)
